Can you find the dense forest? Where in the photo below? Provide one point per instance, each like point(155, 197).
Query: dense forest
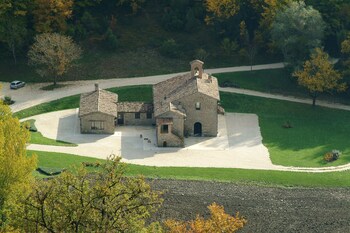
point(121, 38)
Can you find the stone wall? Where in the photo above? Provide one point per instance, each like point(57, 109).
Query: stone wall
point(108, 122)
point(175, 135)
point(206, 115)
point(129, 119)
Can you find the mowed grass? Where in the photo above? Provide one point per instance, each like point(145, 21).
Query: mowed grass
point(38, 138)
point(130, 93)
point(315, 130)
point(260, 177)
point(277, 81)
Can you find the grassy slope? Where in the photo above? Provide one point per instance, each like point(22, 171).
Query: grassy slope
point(274, 81)
point(273, 178)
point(38, 138)
point(315, 131)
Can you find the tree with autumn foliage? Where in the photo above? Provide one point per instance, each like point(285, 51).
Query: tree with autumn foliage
point(221, 9)
point(51, 15)
point(219, 221)
point(53, 54)
point(319, 76)
point(15, 166)
point(103, 201)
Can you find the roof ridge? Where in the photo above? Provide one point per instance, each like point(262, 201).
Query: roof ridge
point(98, 99)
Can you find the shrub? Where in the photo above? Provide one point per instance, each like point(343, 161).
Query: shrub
point(169, 48)
point(8, 100)
point(332, 156)
point(228, 46)
point(201, 54)
point(111, 40)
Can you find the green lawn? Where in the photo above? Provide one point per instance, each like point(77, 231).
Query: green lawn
point(273, 81)
point(38, 138)
point(131, 93)
point(260, 177)
point(315, 131)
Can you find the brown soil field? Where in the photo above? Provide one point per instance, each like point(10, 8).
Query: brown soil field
point(267, 209)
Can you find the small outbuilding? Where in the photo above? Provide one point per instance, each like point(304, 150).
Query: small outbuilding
point(98, 111)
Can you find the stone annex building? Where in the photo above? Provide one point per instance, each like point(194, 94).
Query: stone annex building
point(185, 105)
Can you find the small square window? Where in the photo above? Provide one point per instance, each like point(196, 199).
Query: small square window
point(164, 129)
point(149, 115)
point(198, 106)
point(137, 115)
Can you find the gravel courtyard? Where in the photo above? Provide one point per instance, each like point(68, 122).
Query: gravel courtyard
point(238, 144)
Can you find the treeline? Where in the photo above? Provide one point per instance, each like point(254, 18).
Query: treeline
point(217, 27)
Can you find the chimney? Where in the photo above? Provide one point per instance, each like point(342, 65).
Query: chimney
point(96, 87)
point(210, 78)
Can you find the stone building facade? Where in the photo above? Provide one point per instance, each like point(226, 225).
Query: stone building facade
point(185, 105)
point(97, 111)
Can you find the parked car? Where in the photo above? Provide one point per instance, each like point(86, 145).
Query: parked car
point(17, 84)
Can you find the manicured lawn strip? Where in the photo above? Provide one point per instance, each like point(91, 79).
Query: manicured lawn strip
point(55, 105)
point(261, 177)
point(315, 131)
point(130, 93)
point(38, 138)
point(61, 160)
point(277, 81)
point(274, 80)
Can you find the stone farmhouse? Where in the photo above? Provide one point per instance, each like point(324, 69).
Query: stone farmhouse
point(185, 105)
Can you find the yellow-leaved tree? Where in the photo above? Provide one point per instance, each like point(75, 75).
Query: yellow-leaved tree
point(219, 221)
point(51, 15)
point(221, 9)
point(53, 54)
point(319, 76)
point(15, 166)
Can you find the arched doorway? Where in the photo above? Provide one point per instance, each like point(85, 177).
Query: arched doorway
point(165, 144)
point(197, 129)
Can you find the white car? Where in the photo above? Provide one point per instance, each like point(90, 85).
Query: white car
point(17, 84)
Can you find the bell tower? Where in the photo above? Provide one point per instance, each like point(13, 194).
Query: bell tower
point(196, 68)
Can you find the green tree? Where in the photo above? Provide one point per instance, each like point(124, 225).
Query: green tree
point(219, 221)
point(15, 166)
point(345, 49)
point(13, 24)
point(135, 5)
point(53, 54)
point(104, 201)
point(249, 44)
point(111, 40)
point(296, 30)
point(319, 76)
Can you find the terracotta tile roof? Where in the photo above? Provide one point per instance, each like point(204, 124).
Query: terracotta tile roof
point(98, 101)
point(134, 107)
point(183, 85)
